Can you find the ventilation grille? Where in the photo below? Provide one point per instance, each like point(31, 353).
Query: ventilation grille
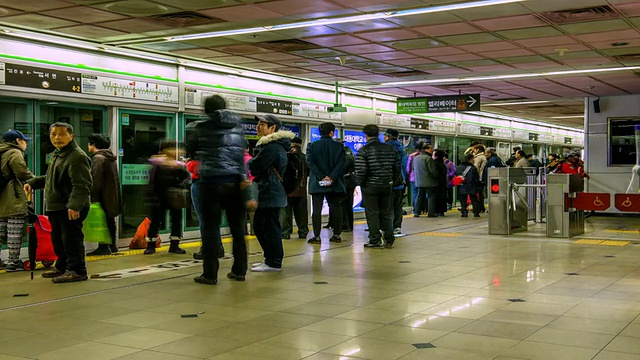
point(288, 45)
point(457, 85)
point(184, 19)
point(407, 73)
point(577, 15)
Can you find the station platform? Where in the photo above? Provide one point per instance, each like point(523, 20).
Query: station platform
point(447, 290)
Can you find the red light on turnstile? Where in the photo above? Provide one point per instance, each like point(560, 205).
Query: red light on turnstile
point(495, 186)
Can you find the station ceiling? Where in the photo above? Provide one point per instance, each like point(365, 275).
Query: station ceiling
point(437, 53)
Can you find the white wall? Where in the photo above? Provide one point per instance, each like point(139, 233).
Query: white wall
point(605, 178)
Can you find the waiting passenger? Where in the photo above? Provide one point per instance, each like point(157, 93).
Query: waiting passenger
point(441, 189)
point(573, 165)
point(218, 143)
point(521, 160)
point(350, 187)
point(326, 160)
point(451, 173)
point(297, 200)
point(67, 193)
point(512, 159)
point(426, 182)
point(554, 163)
point(493, 161)
point(480, 162)
point(13, 201)
point(391, 138)
point(534, 162)
point(167, 178)
point(269, 166)
point(468, 189)
point(376, 168)
point(106, 187)
point(412, 175)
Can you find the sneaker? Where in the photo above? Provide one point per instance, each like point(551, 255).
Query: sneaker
point(2, 265)
point(335, 239)
point(235, 277)
point(69, 276)
point(302, 235)
point(315, 240)
point(373, 246)
point(52, 274)
point(14, 266)
point(397, 231)
point(203, 280)
point(256, 264)
point(101, 250)
point(265, 268)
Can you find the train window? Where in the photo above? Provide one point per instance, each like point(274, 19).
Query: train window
point(622, 141)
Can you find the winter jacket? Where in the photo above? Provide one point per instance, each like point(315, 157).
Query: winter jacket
point(270, 156)
point(13, 200)
point(472, 179)
point(451, 172)
point(480, 162)
point(349, 169)
point(165, 175)
point(442, 179)
point(535, 163)
point(376, 165)
point(326, 157)
point(106, 183)
point(399, 181)
point(493, 162)
point(522, 163)
point(68, 182)
point(302, 190)
point(409, 167)
point(425, 170)
point(219, 144)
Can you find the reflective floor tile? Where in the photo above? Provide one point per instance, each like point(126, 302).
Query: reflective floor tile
point(445, 354)
point(154, 355)
point(319, 309)
point(270, 351)
point(193, 326)
point(520, 318)
point(499, 329)
point(34, 345)
point(624, 344)
point(588, 325)
point(374, 315)
point(371, 349)
point(610, 355)
point(540, 351)
point(424, 321)
point(246, 332)
point(538, 308)
point(141, 319)
point(403, 334)
point(307, 340)
point(343, 327)
point(633, 330)
point(143, 338)
point(475, 343)
point(200, 346)
point(286, 320)
point(269, 304)
point(88, 350)
point(571, 338)
point(592, 312)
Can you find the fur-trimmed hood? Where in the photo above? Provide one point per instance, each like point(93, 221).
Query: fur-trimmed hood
point(278, 135)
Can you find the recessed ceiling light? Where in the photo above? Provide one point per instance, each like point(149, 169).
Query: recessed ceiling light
point(620, 43)
point(568, 117)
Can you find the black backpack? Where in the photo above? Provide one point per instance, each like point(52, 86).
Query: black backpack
point(294, 174)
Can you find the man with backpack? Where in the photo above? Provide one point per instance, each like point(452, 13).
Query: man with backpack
point(326, 160)
point(269, 166)
point(297, 199)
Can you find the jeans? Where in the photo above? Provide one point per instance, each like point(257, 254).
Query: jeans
point(195, 199)
point(266, 225)
point(450, 196)
point(335, 209)
point(377, 206)
point(398, 201)
point(158, 213)
point(414, 196)
point(214, 198)
point(296, 207)
point(68, 240)
point(421, 201)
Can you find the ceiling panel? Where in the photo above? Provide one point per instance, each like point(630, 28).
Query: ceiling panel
point(90, 31)
point(242, 13)
point(595, 26)
point(84, 14)
point(363, 49)
point(35, 5)
point(337, 40)
point(388, 35)
point(364, 26)
point(447, 29)
point(507, 23)
point(296, 7)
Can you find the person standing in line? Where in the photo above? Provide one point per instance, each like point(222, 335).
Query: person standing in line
point(391, 138)
point(13, 201)
point(411, 175)
point(218, 144)
point(250, 212)
point(269, 166)
point(426, 182)
point(350, 187)
point(326, 160)
point(521, 160)
point(297, 200)
point(468, 189)
point(376, 168)
point(513, 158)
point(493, 161)
point(67, 192)
point(441, 190)
point(106, 187)
point(451, 173)
point(167, 175)
point(480, 162)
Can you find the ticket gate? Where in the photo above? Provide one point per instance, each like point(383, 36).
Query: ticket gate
point(563, 219)
point(508, 203)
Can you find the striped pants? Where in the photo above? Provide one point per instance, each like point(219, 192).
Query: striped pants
point(12, 229)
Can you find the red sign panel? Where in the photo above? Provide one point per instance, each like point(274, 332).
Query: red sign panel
point(592, 201)
point(628, 202)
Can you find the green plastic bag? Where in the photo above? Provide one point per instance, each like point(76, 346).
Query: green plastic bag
point(95, 226)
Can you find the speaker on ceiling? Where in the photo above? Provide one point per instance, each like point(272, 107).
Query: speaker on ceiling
point(596, 106)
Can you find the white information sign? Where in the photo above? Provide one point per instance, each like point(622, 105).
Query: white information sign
point(469, 129)
point(392, 120)
point(234, 101)
point(313, 111)
point(502, 133)
point(135, 174)
point(131, 89)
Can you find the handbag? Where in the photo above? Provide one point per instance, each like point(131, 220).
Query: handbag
point(461, 179)
point(95, 226)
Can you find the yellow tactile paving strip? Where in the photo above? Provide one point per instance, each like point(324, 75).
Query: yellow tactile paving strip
point(602, 242)
point(441, 234)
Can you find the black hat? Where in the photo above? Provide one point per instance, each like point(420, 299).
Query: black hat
point(270, 120)
point(13, 135)
point(296, 140)
point(392, 133)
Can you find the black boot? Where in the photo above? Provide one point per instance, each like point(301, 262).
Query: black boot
point(151, 246)
point(220, 251)
point(174, 245)
point(113, 248)
point(103, 249)
point(198, 255)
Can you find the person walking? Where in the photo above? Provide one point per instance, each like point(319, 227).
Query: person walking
point(13, 201)
point(269, 166)
point(391, 138)
point(326, 160)
point(218, 144)
point(376, 168)
point(67, 193)
point(106, 187)
point(297, 200)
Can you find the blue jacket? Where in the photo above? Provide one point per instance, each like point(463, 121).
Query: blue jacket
point(402, 162)
point(493, 161)
point(271, 155)
point(326, 157)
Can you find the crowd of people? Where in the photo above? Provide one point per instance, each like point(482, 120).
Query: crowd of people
point(270, 187)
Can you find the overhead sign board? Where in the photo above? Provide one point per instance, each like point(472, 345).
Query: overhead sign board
point(39, 78)
point(486, 131)
point(438, 104)
point(276, 107)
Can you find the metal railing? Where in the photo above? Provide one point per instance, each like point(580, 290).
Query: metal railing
point(537, 195)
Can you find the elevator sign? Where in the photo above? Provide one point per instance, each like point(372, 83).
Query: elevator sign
point(438, 104)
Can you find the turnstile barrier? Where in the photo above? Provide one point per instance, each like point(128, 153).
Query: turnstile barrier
point(563, 219)
point(508, 203)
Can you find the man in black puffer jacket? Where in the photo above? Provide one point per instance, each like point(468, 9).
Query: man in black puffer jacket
point(376, 168)
point(218, 143)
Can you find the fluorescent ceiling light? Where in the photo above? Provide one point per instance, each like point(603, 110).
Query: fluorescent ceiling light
point(510, 76)
point(346, 19)
point(516, 103)
point(568, 117)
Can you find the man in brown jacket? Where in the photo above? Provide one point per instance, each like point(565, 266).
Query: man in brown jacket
point(13, 201)
point(106, 187)
point(67, 190)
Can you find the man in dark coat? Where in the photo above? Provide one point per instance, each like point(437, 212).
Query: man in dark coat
point(376, 169)
point(106, 187)
point(269, 166)
point(67, 190)
point(326, 159)
point(391, 138)
point(297, 200)
point(426, 181)
point(493, 161)
point(218, 144)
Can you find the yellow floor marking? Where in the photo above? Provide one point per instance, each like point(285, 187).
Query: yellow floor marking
point(587, 242)
point(615, 243)
point(441, 234)
point(602, 242)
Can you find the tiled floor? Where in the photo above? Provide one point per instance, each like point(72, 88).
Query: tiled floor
point(447, 283)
